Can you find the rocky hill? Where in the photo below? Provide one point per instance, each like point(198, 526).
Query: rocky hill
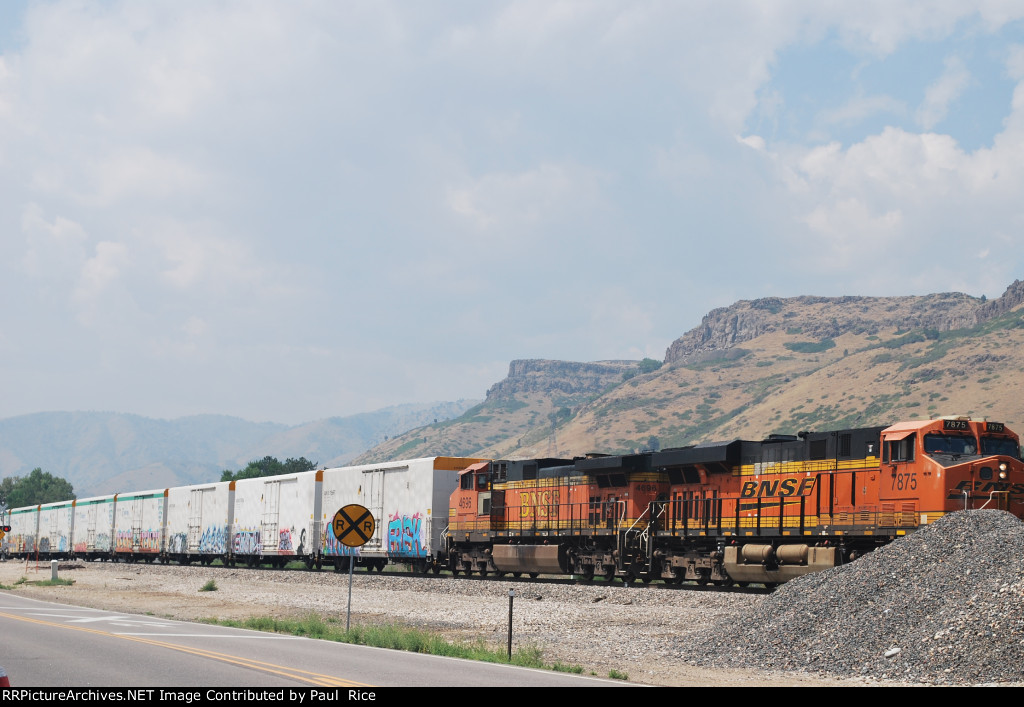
point(756, 367)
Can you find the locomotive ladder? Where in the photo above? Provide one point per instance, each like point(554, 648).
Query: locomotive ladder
point(641, 536)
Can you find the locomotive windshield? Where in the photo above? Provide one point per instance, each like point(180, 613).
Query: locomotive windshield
point(1000, 445)
point(950, 444)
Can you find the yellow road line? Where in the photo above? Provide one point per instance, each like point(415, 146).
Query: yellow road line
point(294, 673)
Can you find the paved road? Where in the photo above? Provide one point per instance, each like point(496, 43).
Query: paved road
point(53, 645)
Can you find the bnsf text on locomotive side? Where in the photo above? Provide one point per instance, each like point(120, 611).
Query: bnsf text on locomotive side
point(793, 486)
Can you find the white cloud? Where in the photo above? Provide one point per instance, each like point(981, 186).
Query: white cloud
point(517, 203)
point(139, 172)
point(55, 249)
point(945, 90)
point(194, 257)
point(859, 108)
point(98, 274)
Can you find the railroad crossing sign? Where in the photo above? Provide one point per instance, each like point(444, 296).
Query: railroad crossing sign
point(353, 525)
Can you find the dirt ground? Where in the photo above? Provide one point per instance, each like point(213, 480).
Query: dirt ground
point(562, 628)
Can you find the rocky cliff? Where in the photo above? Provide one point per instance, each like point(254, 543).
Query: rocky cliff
point(567, 377)
point(818, 318)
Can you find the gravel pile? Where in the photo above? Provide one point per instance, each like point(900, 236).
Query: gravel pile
point(944, 605)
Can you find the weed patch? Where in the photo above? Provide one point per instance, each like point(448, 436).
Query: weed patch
point(396, 637)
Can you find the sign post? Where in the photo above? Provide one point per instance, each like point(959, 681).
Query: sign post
point(353, 526)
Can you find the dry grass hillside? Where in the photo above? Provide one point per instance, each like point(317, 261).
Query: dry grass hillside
point(756, 367)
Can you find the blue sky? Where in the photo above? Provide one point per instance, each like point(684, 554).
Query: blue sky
point(288, 211)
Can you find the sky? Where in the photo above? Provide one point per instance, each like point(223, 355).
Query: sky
point(285, 211)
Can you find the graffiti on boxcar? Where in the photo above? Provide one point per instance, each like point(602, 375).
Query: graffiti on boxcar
point(102, 543)
point(247, 542)
point(284, 543)
point(405, 535)
point(331, 546)
point(213, 540)
point(177, 543)
point(148, 541)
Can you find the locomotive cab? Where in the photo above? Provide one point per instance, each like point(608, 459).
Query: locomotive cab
point(951, 464)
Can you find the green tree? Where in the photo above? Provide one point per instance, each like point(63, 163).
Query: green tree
point(269, 466)
point(38, 487)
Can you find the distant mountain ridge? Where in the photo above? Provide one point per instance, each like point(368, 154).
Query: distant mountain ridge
point(107, 452)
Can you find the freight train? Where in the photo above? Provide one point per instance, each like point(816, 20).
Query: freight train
point(740, 511)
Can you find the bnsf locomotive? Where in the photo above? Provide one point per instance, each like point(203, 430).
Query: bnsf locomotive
point(739, 511)
point(732, 512)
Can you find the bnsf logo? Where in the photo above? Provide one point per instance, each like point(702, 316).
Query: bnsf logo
point(985, 487)
point(536, 501)
point(779, 487)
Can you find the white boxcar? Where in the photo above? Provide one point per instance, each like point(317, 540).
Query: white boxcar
point(409, 504)
point(277, 519)
point(56, 527)
point(139, 524)
point(21, 541)
point(198, 521)
point(94, 527)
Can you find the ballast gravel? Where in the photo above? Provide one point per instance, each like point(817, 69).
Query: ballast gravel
point(943, 605)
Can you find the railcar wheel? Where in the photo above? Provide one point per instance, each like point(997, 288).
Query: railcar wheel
point(436, 569)
point(608, 574)
point(534, 575)
point(517, 575)
point(628, 578)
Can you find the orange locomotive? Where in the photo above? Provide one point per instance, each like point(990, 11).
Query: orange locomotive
point(741, 511)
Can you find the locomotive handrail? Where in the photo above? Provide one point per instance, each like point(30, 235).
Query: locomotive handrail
point(990, 495)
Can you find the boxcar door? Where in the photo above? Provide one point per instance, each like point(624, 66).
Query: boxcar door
point(269, 522)
point(375, 495)
point(195, 519)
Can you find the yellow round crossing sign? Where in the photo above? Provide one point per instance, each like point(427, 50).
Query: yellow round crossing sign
point(353, 525)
